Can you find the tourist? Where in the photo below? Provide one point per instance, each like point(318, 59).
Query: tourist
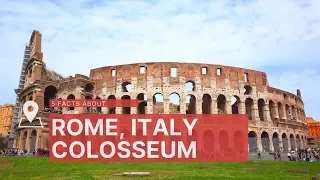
point(259, 154)
point(289, 156)
point(279, 156)
point(275, 156)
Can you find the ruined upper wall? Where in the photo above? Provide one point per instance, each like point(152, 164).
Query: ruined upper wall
point(35, 45)
point(190, 71)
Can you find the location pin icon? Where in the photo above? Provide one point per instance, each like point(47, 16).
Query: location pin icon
point(30, 115)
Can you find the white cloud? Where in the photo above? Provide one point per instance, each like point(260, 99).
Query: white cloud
point(81, 35)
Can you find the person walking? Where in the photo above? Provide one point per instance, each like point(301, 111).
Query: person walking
point(275, 156)
point(279, 156)
point(289, 156)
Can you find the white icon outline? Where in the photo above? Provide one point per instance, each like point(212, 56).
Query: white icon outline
point(31, 117)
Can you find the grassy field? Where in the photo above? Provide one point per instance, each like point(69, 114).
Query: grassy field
point(40, 168)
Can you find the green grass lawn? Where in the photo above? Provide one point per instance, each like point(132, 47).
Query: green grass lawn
point(42, 169)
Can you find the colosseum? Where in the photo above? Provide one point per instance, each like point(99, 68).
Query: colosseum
point(276, 117)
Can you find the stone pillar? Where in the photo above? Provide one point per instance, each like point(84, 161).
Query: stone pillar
point(183, 107)
point(255, 112)
point(228, 107)
point(133, 110)
point(280, 142)
point(275, 110)
point(259, 143)
point(198, 106)
point(271, 147)
point(289, 143)
point(28, 141)
point(118, 110)
point(242, 108)
point(166, 107)
point(214, 107)
point(266, 113)
point(104, 110)
point(149, 105)
point(290, 114)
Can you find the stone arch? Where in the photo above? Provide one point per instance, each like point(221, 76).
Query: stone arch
point(88, 88)
point(191, 104)
point(223, 140)
point(247, 90)
point(50, 92)
point(206, 104)
point(292, 142)
point(285, 142)
point(190, 86)
point(126, 110)
point(265, 141)
point(221, 104)
point(235, 104)
point(33, 139)
point(208, 140)
point(252, 140)
point(249, 108)
point(275, 140)
point(174, 103)
point(142, 104)
point(280, 110)
point(158, 103)
point(126, 86)
point(71, 96)
point(273, 109)
point(261, 105)
point(112, 109)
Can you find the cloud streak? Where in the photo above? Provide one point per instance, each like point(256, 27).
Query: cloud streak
point(88, 34)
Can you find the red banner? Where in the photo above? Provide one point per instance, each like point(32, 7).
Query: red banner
point(94, 102)
point(148, 138)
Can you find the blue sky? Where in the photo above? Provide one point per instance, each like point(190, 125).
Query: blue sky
point(281, 38)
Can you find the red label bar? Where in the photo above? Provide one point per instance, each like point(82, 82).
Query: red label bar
point(94, 103)
point(148, 138)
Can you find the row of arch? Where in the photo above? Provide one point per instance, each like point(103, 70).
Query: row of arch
point(280, 143)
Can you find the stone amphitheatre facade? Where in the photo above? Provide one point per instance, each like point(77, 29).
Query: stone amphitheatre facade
point(276, 118)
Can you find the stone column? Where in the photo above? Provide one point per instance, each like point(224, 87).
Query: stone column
point(182, 103)
point(228, 107)
point(214, 107)
point(290, 114)
point(149, 105)
point(280, 142)
point(242, 108)
point(104, 110)
point(118, 110)
point(28, 141)
point(198, 106)
point(259, 143)
point(133, 110)
point(255, 112)
point(276, 112)
point(266, 113)
point(289, 143)
point(166, 107)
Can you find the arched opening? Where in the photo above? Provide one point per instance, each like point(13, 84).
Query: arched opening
point(252, 138)
point(50, 92)
point(298, 141)
point(249, 108)
point(112, 110)
point(89, 108)
point(33, 139)
point(174, 103)
point(221, 104)
point(208, 141)
point(126, 110)
point(280, 110)
point(99, 109)
point(70, 97)
point(292, 142)
point(158, 103)
point(238, 143)
point(247, 90)
point(206, 104)
point(189, 86)
point(261, 105)
point(191, 104)
point(223, 141)
point(235, 102)
point(142, 104)
point(294, 113)
point(275, 140)
point(272, 108)
point(285, 142)
point(126, 87)
point(265, 142)
point(88, 88)
point(288, 114)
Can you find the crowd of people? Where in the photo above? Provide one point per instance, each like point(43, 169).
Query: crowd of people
point(15, 152)
point(304, 154)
